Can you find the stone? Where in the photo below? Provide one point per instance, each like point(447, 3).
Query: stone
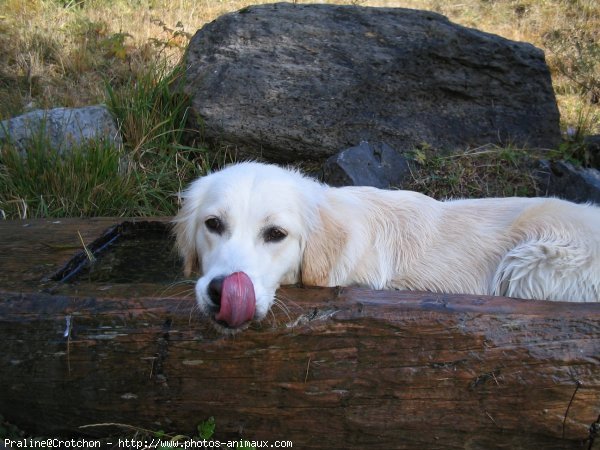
point(62, 128)
point(563, 180)
point(367, 164)
point(291, 82)
point(592, 147)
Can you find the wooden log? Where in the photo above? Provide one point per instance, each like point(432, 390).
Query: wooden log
point(335, 368)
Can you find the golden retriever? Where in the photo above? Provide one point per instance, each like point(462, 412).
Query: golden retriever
point(252, 227)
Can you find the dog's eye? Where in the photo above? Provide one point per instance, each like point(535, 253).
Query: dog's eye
point(214, 224)
point(274, 234)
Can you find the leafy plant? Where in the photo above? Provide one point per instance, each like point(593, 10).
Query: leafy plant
point(114, 45)
point(206, 429)
point(175, 38)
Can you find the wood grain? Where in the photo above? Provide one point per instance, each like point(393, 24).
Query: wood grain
point(338, 368)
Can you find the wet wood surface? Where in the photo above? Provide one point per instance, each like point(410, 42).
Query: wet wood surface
point(335, 368)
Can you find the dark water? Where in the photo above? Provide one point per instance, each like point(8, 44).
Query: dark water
point(131, 253)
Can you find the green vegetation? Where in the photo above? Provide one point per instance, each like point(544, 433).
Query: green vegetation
point(140, 179)
point(206, 431)
point(46, 184)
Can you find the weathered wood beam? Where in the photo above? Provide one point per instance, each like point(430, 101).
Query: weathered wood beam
point(340, 368)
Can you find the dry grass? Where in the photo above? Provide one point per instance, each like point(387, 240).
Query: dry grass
point(57, 52)
point(488, 171)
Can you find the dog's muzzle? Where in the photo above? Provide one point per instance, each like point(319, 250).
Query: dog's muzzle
point(234, 296)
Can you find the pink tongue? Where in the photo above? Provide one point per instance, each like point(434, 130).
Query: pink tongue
point(237, 300)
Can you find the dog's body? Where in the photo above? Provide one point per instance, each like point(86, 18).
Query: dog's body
point(279, 227)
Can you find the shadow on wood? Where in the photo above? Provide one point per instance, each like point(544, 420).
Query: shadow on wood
point(333, 368)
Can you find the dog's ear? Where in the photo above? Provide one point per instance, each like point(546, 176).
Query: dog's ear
point(323, 250)
point(185, 239)
point(185, 229)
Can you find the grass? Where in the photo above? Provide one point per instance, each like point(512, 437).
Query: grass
point(488, 171)
point(49, 185)
point(140, 179)
point(125, 52)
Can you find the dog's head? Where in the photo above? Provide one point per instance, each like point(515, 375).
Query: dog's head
point(244, 229)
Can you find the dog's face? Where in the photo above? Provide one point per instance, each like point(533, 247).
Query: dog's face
point(242, 229)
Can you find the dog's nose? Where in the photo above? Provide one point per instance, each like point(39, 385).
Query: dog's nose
point(215, 287)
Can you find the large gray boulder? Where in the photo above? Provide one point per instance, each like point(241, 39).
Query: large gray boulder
point(288, 82)
point(61, 128)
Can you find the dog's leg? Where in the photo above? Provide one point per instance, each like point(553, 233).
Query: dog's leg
point(548, 269)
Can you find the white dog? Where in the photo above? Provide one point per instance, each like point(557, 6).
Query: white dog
point(252, 227)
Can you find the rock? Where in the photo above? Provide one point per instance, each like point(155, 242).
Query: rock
point(562, 179)
point(376, 165)
point(63, 128)
point(290, 82)
point(592, 147)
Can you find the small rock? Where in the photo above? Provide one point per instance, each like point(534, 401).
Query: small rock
point(63, 128)
point(376, 165)
point(562, 179)
point(592, 146)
